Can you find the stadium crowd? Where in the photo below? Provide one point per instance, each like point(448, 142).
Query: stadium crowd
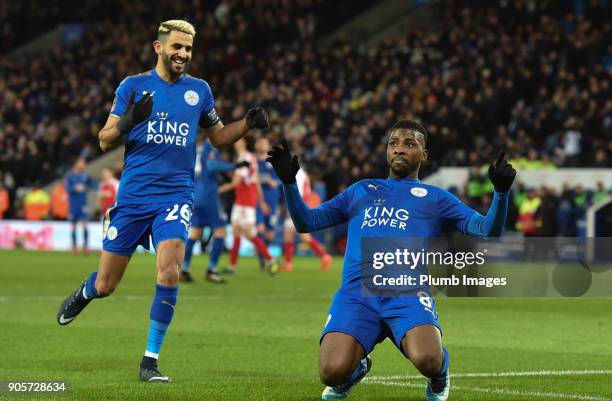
point(533, 77)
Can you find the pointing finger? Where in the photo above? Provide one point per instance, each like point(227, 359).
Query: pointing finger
point(500, 157)
point(285, 145)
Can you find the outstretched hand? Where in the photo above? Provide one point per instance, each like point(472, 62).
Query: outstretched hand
point(501, 173)
point(285, 164)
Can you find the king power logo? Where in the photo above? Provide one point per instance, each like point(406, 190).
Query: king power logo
point(164, 131)
point(380, 215)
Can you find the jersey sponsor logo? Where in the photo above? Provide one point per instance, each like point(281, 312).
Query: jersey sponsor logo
point(383, 216)
point(418, 192)
point(111, 234)
point(191, 97)
point(164, 131)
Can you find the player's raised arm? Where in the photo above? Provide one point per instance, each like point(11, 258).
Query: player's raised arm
point(501, 174)
point(222, 135)
point(111, 135)
point(304, 218)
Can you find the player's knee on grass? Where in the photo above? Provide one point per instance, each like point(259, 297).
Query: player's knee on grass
point(338, 358)
point(427, 361)
point(334, 371)
point(423, 346)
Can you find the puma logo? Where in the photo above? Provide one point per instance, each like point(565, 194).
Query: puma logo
point(168, 303)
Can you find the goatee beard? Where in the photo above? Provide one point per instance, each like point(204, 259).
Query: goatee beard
point(403, 173)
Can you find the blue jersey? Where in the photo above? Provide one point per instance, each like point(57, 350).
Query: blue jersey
point(160, 153)
point(77, 185)
point(208, 166)
point(388, 208)
point(271, 193)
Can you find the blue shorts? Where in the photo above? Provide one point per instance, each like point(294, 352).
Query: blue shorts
point(372, 319)
point(208, 216)
point(127, 226)
point(77, 214)
point(268, 221)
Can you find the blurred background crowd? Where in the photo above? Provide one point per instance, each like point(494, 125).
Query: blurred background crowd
point(531, 76)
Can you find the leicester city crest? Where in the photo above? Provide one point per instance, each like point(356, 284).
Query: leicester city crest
point(191, 97)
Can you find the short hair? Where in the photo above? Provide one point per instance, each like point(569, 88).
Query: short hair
point(174, 25)
point(410, 125)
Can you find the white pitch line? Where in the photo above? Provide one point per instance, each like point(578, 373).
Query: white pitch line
point(504, 374)
point(500, 391)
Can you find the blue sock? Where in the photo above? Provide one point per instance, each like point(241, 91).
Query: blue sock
point(162, 310)
point(90, 286)
point(188, 253)
point(215, 253)
point(356, 372)
point(74, 244)
point(85, 238)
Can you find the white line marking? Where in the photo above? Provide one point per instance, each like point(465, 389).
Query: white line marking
point(500, 391)
point(503, 374)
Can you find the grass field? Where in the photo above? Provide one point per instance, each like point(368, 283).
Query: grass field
point(256, 338)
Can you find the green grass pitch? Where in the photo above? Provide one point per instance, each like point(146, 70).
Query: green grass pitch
point(256, 338)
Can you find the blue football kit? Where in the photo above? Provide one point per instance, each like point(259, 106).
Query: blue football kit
point(271, 194)
point(155, 194)
point(206, 211)
point(384, 212)
point(77, 185)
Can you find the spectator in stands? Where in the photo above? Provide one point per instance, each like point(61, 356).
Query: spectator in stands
point(566, 213)
point(495, 75)
point(571, 143)
point(601, 159)
point(527, 222)
point(546, 213)
point(36, 203)
point(601, 194)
